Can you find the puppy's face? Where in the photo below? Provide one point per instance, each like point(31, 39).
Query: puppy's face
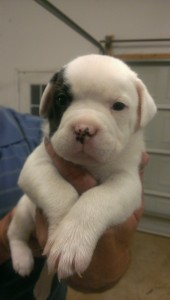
point(94, 106)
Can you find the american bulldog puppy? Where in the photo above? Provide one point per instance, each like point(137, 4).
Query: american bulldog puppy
point(96, 109)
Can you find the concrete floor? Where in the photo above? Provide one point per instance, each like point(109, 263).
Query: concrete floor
point(148, 277)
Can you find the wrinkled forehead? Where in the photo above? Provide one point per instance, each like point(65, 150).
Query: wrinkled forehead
point(98, 73)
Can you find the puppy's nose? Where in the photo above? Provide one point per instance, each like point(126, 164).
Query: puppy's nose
point(84, 132)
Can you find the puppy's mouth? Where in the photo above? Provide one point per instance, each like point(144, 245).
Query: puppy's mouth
point(82, 135)
point(78, 148)
point(83, 144)
point(86, 151)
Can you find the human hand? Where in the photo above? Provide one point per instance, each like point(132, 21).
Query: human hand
point(82, 181)
point(112, 254)
point(111, 257)
point(4, 246)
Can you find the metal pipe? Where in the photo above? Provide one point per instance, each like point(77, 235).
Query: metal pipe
point(60, 15)
point(138, 40)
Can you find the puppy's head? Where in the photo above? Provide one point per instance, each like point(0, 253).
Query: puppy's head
point(94, 105)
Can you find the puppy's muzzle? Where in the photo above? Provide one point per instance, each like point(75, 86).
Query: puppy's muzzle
point(84, 132)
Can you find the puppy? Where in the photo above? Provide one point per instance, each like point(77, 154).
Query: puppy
point(96, 108)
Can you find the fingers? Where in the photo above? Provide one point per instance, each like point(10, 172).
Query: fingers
point(81, 180)
point(41, 228)
point(4, 244)
point(144, 162)
point(78, 177)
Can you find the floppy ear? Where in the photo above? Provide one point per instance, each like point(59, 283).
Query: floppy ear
point(146, 108)
point(47, 96)
point(46, 99)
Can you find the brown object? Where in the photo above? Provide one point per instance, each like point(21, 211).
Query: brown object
point(143, 56)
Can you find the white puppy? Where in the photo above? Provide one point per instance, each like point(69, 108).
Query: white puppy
point(96, 108)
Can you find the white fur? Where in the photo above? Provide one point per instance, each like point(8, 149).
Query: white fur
point(112, 155)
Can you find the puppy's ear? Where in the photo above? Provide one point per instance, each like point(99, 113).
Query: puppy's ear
point(47, 96)
point(146, 107)
point(46, 100)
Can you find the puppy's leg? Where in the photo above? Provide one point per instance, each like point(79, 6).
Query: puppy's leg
point(49, 191)
point(99, 208)
point(19, 232)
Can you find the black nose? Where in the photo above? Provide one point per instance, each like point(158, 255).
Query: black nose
point(81, 135)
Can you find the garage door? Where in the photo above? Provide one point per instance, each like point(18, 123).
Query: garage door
point(156, 218)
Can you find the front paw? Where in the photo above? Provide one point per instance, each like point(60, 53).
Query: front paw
point(70, 248)
point(22, 258)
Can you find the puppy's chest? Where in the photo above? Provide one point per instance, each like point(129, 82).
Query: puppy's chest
point(102, 172)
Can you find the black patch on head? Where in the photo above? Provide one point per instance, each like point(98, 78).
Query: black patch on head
point(61, 99)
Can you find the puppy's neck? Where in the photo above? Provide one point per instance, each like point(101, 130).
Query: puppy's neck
point(57, 161)
point(80, 178)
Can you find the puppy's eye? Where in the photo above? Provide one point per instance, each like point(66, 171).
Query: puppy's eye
point(118, 106)
point(62, 100)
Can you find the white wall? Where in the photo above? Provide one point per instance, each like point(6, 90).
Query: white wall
point(31, 39)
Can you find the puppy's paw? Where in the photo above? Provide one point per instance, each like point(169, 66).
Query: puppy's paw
point(70, 249)
point(22, 258)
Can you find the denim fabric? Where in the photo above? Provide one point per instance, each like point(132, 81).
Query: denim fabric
point(19, 135)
